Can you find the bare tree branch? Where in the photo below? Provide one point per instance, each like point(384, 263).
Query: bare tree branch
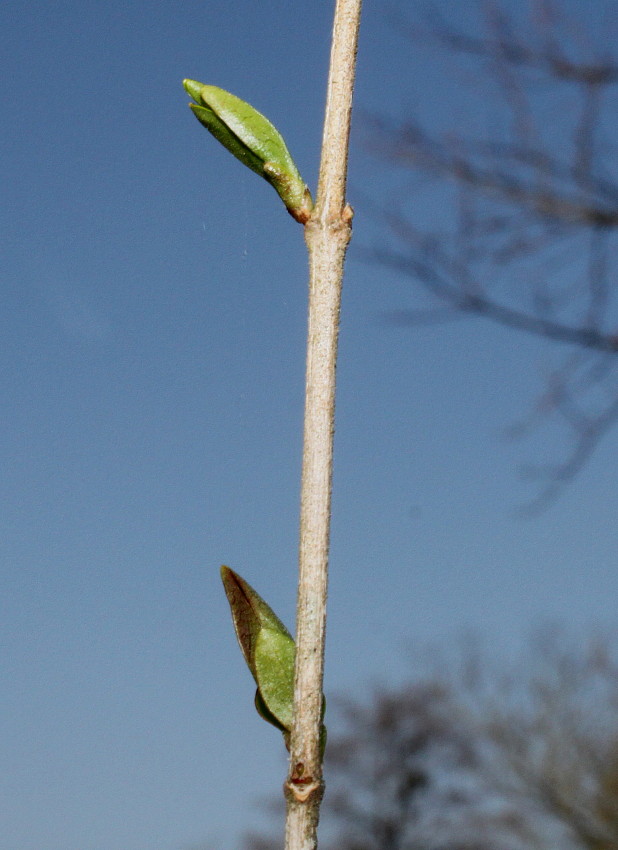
point(474, 757)
point(534, 226)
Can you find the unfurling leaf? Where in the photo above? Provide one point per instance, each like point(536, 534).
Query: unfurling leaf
point(269, 651)
point(253, 140)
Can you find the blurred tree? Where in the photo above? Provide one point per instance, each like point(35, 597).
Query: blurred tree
point(480, 759)
point(530, 175)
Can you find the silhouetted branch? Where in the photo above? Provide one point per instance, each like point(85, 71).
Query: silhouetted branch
point(484, 306)
point(529, 210)
point(478, 757)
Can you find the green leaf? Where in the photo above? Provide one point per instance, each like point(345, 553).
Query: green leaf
point(252, 139)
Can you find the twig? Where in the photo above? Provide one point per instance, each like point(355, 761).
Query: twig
point(327, 235)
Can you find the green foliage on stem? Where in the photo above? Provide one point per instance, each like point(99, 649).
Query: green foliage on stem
point(268, 649)
point(252, 139)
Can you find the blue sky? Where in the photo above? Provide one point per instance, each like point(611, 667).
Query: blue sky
point(153, 333)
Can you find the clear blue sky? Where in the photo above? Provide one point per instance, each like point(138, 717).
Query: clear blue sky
point(152, 340)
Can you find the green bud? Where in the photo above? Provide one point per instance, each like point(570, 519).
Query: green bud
point(268, 649)
point(253, 140)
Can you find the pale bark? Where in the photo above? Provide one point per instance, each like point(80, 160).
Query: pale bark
point(327, 235)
